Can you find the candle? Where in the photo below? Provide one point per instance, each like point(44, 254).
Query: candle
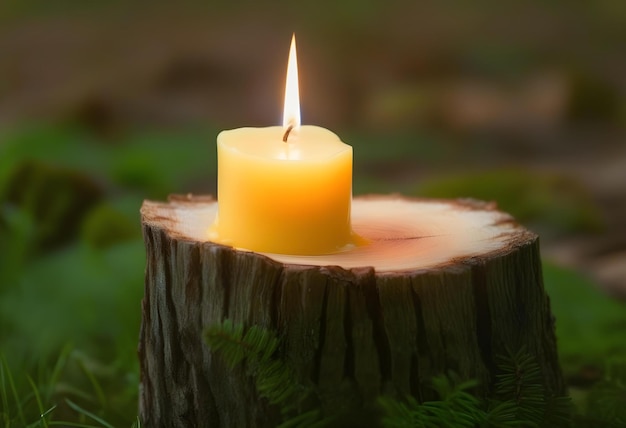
point(286, 189)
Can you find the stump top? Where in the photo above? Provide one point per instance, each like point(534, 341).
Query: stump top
point(404, 234)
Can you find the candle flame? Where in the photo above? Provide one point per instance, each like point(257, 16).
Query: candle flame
point(291, 111)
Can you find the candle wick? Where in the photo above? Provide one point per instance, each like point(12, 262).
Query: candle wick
point(286, 135)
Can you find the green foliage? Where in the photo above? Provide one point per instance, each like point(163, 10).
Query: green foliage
point(56, 198)
point(520, 384)
point(553, 203)
point(59, 286)
point(519, 401)
point(79, 295)
point(105, 226)
point(160, 163)
point(606, 401)
point(88, 414)
point(457, 408)
point(44, 401)
point(589, 324)
point(17, 243)
point(154, 163)
point(87, 291)
point(275, 380)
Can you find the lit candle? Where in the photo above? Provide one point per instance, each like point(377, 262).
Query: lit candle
point(286, 189)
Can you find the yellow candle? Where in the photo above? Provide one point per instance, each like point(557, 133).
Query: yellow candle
point(284, 189)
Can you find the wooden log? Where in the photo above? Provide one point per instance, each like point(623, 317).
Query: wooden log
point(442, 285)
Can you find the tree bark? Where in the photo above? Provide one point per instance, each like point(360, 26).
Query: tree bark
point(443, 285)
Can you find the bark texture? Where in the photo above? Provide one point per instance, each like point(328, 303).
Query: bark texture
point(354, 333)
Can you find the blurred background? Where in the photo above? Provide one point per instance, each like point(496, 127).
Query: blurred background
point(104, 104)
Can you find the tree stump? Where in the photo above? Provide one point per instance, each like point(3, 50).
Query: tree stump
point(442, 285)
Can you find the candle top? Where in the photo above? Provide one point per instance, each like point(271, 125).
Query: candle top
point(310, 143)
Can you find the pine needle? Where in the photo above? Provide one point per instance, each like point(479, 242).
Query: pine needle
point(274, 379)
point(457, 407)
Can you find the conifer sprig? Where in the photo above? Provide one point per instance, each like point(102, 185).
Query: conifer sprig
point(519, 382)
point(520, 398)
point(457, 407)
point(520, 401)
point(275, 380)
